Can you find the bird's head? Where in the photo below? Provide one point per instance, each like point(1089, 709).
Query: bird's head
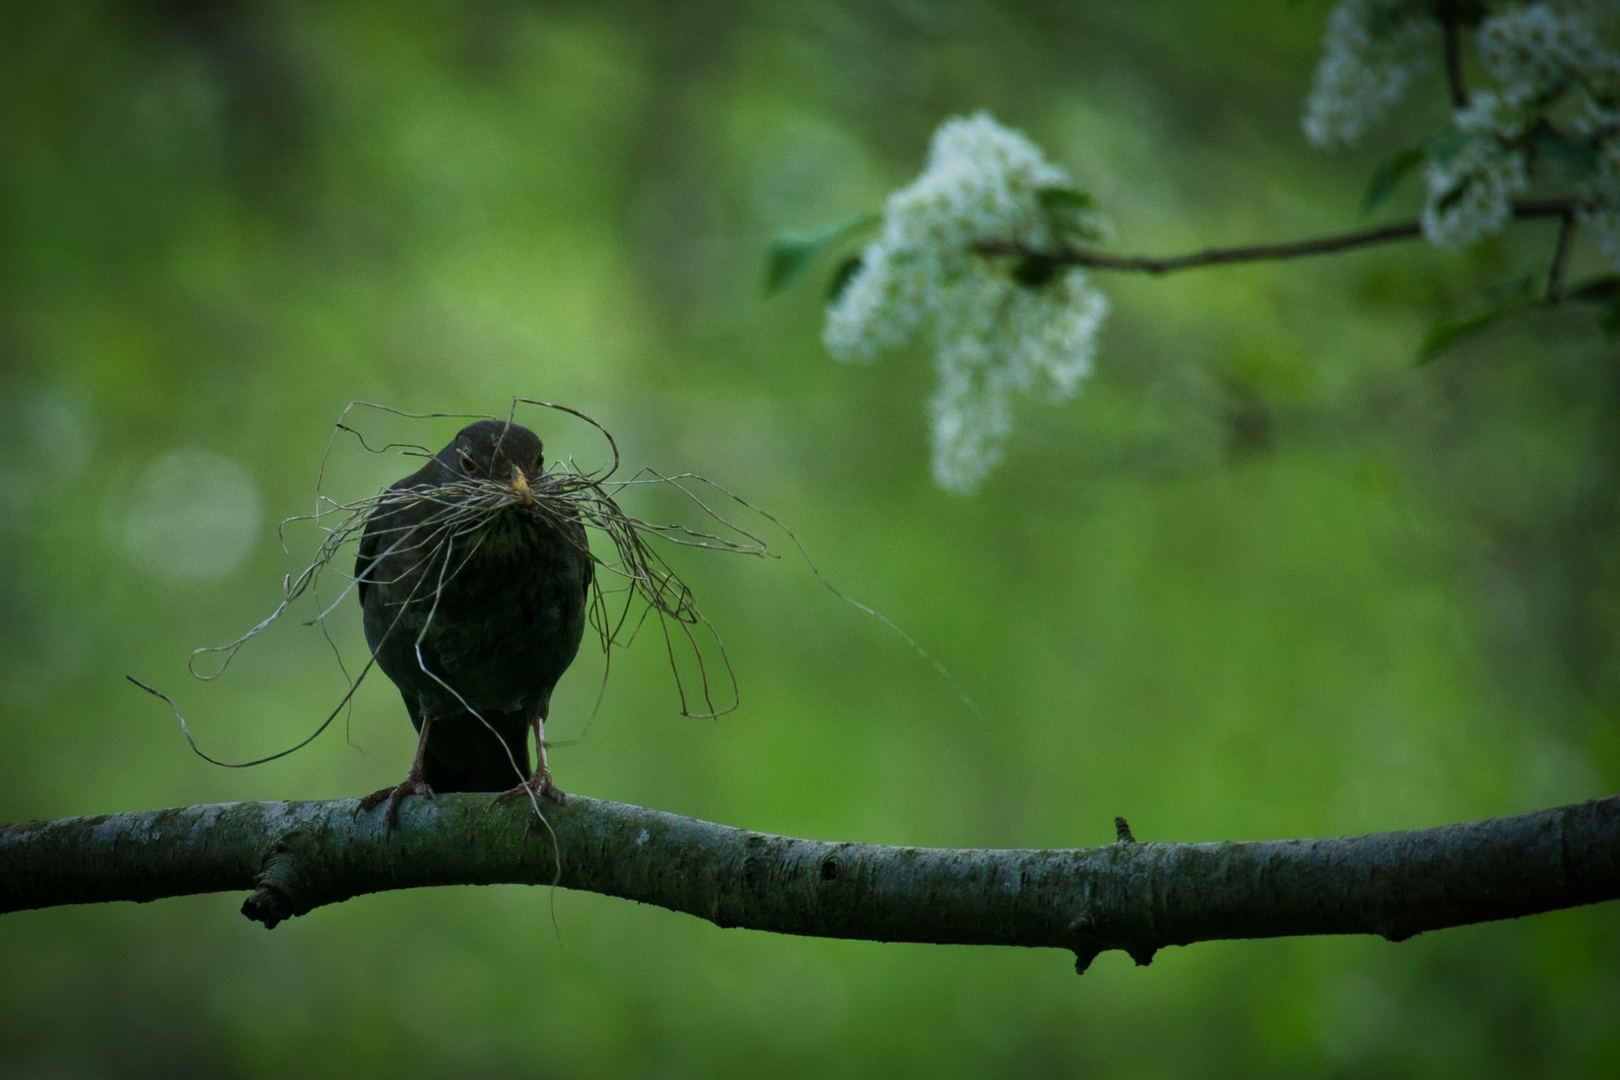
point(496, 450)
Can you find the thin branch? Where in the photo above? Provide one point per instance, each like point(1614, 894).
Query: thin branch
point(1291, 249)
point(1555, 276)
point(1134, 896)
point(1452, 30)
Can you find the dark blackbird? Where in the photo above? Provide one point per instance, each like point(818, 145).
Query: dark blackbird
point(474, 616)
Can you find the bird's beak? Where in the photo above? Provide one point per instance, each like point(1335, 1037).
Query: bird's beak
point(520, 484)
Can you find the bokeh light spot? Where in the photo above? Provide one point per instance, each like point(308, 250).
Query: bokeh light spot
point(193, 516)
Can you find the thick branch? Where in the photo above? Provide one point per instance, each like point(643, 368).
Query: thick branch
point(1138, 897)
point(1291, 249)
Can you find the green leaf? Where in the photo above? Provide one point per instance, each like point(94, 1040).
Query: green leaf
point(1443, 147)
point(1060, 198)
point(1525, 287)
point(1445, 335)
point(1069, 212)
point(1388, 176)
point(1609, 320)
point(1603, 291)
point(1453, 196)
point(842, 277)
point(1578, 159)
point(1598, 290)
point(787, 257)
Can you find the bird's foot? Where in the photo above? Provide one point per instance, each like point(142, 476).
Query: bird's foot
point(394, 796)
point(539, 784)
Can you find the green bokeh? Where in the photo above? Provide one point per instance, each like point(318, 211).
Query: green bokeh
point(1261, 579)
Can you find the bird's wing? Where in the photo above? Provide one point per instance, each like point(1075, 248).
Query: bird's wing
point(590, 563)
point(379, 529)
point(364, 558)
point(574, 529)
point(384, 526)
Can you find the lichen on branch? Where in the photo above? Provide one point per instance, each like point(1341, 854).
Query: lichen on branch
point(1129, 895)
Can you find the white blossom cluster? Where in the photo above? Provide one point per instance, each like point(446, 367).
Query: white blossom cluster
point(1555, 57)
point(1470, 191)
point(1371, 50)
point(1600, 220)
point(991, 333)
point(1542, 49)
point(1554, 77)
point(1549, 63)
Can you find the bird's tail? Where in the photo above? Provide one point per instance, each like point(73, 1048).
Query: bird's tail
point(463, 754)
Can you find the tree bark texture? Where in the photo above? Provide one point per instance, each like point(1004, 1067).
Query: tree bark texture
point(1139, 897)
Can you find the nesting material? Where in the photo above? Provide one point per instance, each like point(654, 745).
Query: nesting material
point(631, 583)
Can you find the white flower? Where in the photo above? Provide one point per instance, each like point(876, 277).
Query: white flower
point(1490, 113)
point(991, 334)
point(1593, 120)
point(1470, 194)
point(881, 307)
point(1602, 227)
point(1370, 52)
point(997, 336)
point(971, 413)
point(1054, 331)
point(1600, 220)
point(1552, 66)
point(1538, 51)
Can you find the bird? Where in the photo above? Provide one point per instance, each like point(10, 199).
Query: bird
point(474, 596)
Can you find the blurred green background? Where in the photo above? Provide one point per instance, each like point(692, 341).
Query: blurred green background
point(1264, 578)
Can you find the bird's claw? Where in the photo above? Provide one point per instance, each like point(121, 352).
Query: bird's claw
point(539, 784)
point(394, 796)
